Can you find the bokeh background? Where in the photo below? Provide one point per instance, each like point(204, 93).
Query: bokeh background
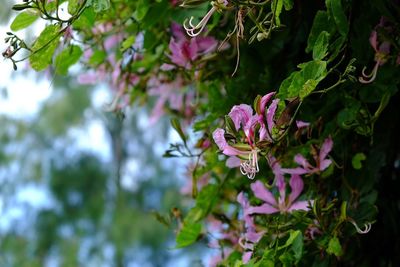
point(80, 186)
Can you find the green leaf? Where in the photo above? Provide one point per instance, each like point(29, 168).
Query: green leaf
point(177, 126)
point(142, 7)
point(73, 6)
point(97, 57)
point(357, 160)
point(302, 83)
point(339, 16)
point(44, 47)
point(68, 57)
point(128, 42)
point(99, 5)
point(288, 4)
point(320, 48)
point(334, 247)
point(188, 235)
point(321, 23)
point(204, 202)
point(86, 20)
point(277, 8)
point(23, 20)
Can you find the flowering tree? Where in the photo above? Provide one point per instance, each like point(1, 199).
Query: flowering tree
point(295, 150)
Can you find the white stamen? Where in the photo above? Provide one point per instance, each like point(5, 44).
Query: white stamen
point(369, 78)
point(194, 30)
point(367, 227)
point(250, 167)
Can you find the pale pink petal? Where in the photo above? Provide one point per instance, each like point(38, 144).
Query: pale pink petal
point(233, 162)
point(241, 198)
point(373, 40)
point(324, 164)
point(325, 148)
point(297, 185)
point(246, 256)
point(263, 209)
point(206, 44)
point(191, 50)
point(241, 114)
point(177, 31)
point(302, 161)
point(297, 170)
point(264, 100)
point(263, 193)
point(253, 236)
point(219, 138)
point(271, 113)
point(167, 67)
point(302, 124)
point(299, 205)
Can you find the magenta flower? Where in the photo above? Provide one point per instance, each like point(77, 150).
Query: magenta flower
point(283, 204)
point(321, 161)
point(382, 50)
point(245, 152)
point(184, 51)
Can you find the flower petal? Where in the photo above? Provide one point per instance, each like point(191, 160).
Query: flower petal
point(271, 113)
point(233, 162)
point(325, 148)
point(300, 205)
point(241, 114)
point(264, 100)
point(297, 185)
point(263, 193)
point(302, 124)
point(263, 209)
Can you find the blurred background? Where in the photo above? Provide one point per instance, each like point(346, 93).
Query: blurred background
point(80, 186)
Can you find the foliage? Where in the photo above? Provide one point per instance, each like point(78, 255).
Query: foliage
point(301, 116)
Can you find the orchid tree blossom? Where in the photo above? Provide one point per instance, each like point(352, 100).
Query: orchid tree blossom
point(194, 30)
point(185, 51)
point(251, 237)
point(282, 204)
point(321, 160)
point(246, 151)
point(382, 51)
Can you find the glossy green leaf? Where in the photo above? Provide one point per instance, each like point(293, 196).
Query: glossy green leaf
point(44, 47)
point(339, 16)
point(188, 235)
point(357, 160)
point(334, 247)
point(97, 57)
point(277, 6)
point(321, 23)
point(68, 57)
point(73, 6)
point(142, 7)
point(23, 20)
point(99, 5)
point(320, 48)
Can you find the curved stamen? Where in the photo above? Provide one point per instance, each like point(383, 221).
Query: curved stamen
point(194, 30)
point(367, 227)
point(369, 78)
point(250, 167)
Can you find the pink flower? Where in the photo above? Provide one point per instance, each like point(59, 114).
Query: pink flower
point(382, 50)
point(244, 119)
point(320, 159)
point(283, 204)
point(184, 52)
point(250, 238)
